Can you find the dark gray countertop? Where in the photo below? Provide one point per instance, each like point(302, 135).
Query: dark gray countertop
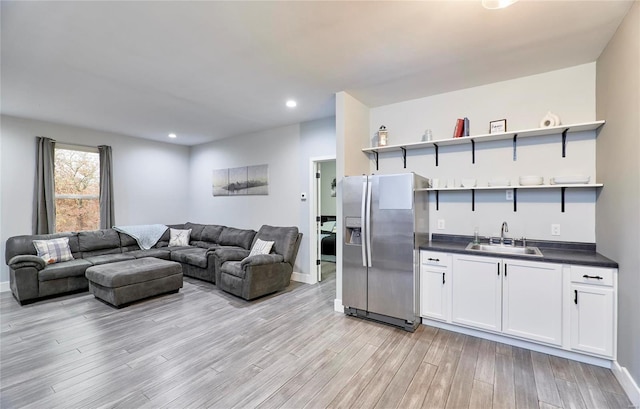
point(553, 252)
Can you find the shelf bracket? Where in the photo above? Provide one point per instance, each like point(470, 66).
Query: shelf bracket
point(375, 155)
point(564, 143)
point(437, 200)
point(515, 153)
point(404, 156)
point(473, 151)
point(515, 200)
point(562, 189)
point(473, 200)
point(435, 146)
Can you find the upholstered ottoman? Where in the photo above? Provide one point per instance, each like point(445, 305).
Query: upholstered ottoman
point(127, 281)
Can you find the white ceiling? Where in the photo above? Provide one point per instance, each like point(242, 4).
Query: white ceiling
point(211, 70)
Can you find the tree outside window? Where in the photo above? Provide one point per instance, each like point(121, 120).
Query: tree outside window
point(77, 182)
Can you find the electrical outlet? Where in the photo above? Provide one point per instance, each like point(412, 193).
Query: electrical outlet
point(440, 224)
point(509, 195)
point(555, 229)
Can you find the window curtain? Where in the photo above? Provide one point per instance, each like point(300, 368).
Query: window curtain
point(44, 201)
point(107, 214)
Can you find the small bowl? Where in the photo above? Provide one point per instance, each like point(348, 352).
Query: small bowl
point(469, 182)
point(531, 180)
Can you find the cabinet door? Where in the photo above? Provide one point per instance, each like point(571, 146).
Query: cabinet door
point(532, 301)
point(592, 315)
point(434, 300)
point(477, 292)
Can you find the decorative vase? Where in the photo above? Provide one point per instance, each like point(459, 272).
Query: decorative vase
point(549, 120)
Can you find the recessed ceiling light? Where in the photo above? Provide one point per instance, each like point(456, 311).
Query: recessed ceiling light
point(172, 136)
point(291, 103)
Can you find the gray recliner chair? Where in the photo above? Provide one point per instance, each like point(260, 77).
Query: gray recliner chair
point(263, 274)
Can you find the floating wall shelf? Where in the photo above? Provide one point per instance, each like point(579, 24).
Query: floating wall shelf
point(515, 188)
point(513, 135)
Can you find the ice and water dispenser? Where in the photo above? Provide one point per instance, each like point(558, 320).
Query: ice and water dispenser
point(353, 230)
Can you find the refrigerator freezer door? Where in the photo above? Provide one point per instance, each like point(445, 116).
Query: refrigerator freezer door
point(391, 281)
point(354, 270)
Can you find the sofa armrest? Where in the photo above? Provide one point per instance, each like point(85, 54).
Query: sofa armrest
point(226, 254)
point(260, 259)
point(27, 260)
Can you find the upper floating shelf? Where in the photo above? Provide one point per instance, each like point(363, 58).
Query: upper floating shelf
point(571, 128)
point(558, 186)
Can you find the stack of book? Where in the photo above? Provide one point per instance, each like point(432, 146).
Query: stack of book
point(462, 127)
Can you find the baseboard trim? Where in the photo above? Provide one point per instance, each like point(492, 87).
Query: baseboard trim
point(337, 306)
point(4, 287)
point(628, 384)
point(302, 278)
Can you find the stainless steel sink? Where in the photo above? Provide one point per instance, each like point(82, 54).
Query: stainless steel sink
point(497, 248)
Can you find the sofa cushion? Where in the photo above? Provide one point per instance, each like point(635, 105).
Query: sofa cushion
point(195, 256)
point(163, 254)
point(196, 230)
point(97, 242)
point(211, 233)
point(237, 237)
point(234, 268)
point(19, 245)
point(109, 258)
point(72, 268)
point(285, 239)
point(179, 237)
point(204, 244)
point(128, 243)
point(54, 250)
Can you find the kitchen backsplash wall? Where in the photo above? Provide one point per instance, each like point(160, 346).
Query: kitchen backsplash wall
point(569, 93)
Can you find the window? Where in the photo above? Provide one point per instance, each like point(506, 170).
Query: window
point(77, 182)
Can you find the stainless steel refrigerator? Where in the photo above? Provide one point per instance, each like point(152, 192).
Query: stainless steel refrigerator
point(384, 221)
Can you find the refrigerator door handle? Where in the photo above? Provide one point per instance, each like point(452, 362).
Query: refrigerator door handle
point(368, 229)
point(363, 215)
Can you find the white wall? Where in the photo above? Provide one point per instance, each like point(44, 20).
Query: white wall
point(287, 151)
point(327, 175)
point(569, 93)
point(618, 149)
point(149, 177)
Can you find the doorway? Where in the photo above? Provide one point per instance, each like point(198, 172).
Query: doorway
point(323, 218)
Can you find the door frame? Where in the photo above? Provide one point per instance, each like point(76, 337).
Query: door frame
point(314, 162)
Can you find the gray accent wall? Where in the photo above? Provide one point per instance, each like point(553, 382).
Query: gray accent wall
point(149, 177)
point(287, 150)
point(618, 167)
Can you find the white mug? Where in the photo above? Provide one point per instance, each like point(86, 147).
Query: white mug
point(451, 183)
point(435, 183)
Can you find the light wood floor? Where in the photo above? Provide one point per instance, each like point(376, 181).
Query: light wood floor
point(204, 348)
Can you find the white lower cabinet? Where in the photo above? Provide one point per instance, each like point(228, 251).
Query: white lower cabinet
point(532, 301)
point(593, 310)
point(476, 292)
point(529, 300)
point(435, 279)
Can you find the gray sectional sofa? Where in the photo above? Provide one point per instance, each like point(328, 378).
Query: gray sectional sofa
point(215, 254)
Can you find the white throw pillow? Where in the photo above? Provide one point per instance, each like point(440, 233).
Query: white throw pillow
point(261, 247)
point(179, 237)
point(54, 250)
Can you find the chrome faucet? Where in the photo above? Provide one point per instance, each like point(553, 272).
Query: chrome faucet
point(503, 229)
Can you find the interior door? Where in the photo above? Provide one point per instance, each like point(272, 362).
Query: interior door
point(318, 196)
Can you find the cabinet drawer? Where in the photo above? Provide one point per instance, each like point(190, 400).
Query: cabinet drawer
point(432, 258)
point(592, 275)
